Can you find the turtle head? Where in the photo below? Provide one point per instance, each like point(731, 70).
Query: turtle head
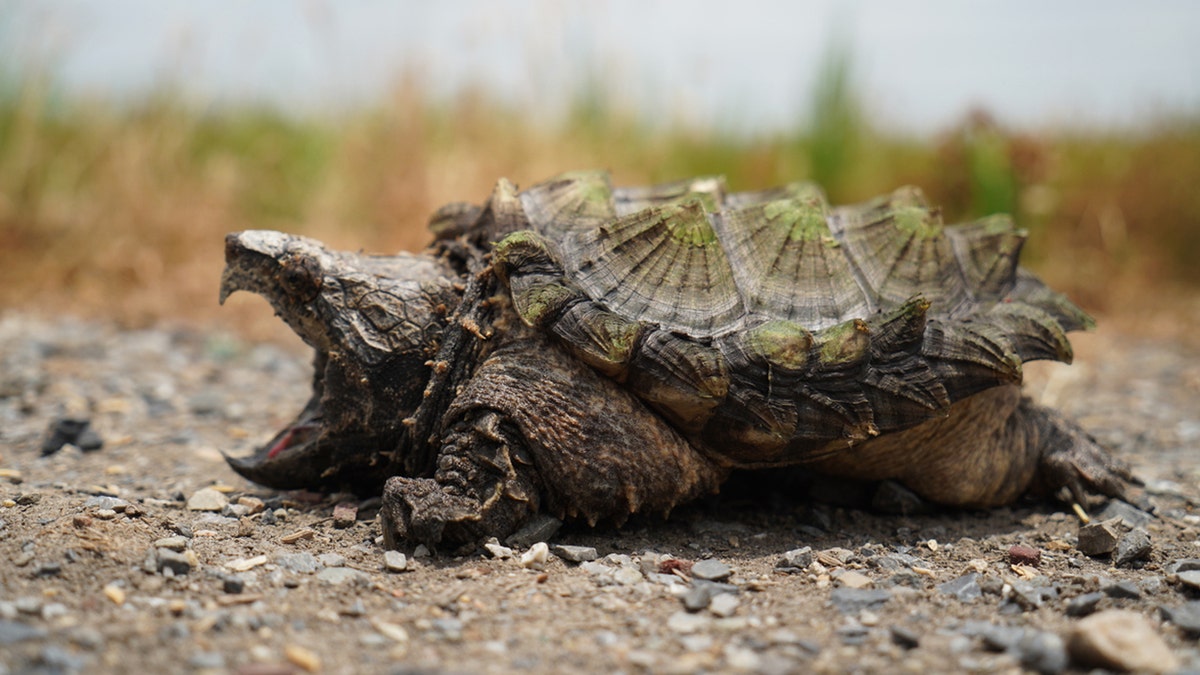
point(374, 323)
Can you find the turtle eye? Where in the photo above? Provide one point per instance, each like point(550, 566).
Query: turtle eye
point(300, 276)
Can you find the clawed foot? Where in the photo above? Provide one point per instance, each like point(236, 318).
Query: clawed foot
point(1071, 458)
point(419, 510)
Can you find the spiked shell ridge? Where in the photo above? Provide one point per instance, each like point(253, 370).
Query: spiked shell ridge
point(771, 326)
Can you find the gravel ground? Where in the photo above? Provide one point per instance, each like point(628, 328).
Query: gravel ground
point(148, 555)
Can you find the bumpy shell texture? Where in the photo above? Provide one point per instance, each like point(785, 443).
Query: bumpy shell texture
point(770, 324)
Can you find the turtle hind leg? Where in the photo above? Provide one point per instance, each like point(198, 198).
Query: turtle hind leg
point(1071, 458)
point(484, 484)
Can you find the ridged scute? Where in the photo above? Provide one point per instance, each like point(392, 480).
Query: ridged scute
point(769, 326)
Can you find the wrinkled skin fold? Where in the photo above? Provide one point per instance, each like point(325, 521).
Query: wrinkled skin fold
point(624, 350)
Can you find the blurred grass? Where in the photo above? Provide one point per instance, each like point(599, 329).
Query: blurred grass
point(119, 211)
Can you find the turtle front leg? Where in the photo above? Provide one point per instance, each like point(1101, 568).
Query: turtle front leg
point(485, 484)
point(536, 430)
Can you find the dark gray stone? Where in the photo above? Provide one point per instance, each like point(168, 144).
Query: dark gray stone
point(1123, 589)
point(1186, 617)
point(697, 598)
point(1129, 514)
point(1042, 651)
point(905, 637)
point(1135, 545)
point(854, 600)
point(795, 560)
point(1030, 597)
point(1183, 565)
point(178, 563)
point(12, 632)
point(893, 498)
point(894, 562)
point(853, 635)
point(575, 554)
point(965, 588)
point(1082, 605)
point(541, 527)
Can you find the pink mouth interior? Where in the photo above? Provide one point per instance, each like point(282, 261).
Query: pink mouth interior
point(296, 434)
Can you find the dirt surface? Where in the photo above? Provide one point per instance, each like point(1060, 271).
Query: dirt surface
point(107, 563)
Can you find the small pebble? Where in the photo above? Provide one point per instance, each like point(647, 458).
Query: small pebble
point(965, 588)
point(1083, 605)
point(340, 575)
point(332, 559)
point(344, 515)
point(1123, 589)
point(541, 527)
point(115, 593)
point(575, 554)
point(724, 605)
point(796, 560)
point(685, 623)
point(697, 597)
point(711, 569)
point(536, 556)
point(176, 562)
point(1024, 555)
point(853, 579)
point(303, 657)
point(905, 637)
point(1186, 617)
point(233, 585)
point(1099, 538)
point(1119, 640)
point(1190, 579)
point(1135, 545)
point(1126, 513)
point(207, 499)
point(854, 600)
point(177, 544)
point(394, 561)
point(499, 551)
point(1042, 651)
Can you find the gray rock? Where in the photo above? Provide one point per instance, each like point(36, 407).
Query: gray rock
point(892, 497)
point(711, 569)
point(1030, 597)
point(207, 661)
point(697, 598)
point(1042, 651)
point(724, 605)
point(178, 563)
point(1183, 565)
point(394, 561)
point(853, 635)
point(1129, 514)
point(177, 544)
point(1190, 579)
point(894, 562)
point(332, 559)
point(12, 632)
point(854, 600)
point(1186, 617)
point(1119, 640)
point(105, 502)
point(1123, 589)
point(340, 575)
point(965, 588)
point(449, 629)
point(905, 637)
point(541, 527)
point(1135, 545)
point(1099, 537)
point(1083, 605)
point(302, 563)
point(795, 560)
point(575, 554)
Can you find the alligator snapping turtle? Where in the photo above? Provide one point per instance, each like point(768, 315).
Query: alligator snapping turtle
point(593, 352)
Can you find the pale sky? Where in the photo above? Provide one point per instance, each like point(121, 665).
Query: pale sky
point(921, 64)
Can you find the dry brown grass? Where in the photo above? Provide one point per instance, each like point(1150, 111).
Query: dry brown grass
point(121, 213)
